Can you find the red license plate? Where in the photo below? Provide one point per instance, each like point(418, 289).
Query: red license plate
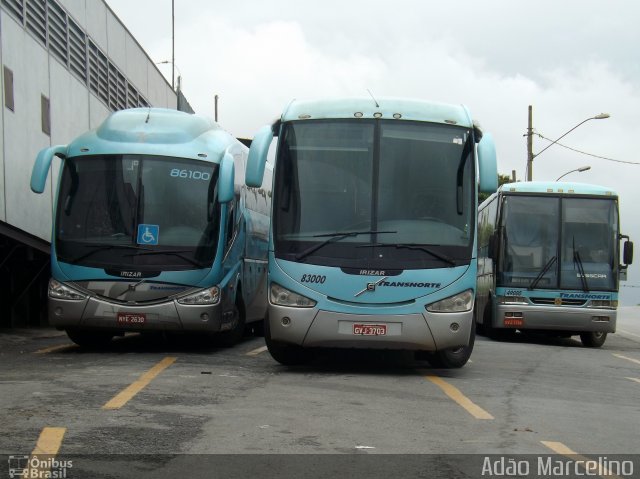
point(513, 322)
point(132, 318)
point(370, 329)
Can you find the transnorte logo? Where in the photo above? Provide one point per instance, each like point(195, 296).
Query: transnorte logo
point(382, 282)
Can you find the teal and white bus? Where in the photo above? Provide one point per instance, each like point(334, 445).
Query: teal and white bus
point(549, 260)
point(154, 230)
point(373, 237)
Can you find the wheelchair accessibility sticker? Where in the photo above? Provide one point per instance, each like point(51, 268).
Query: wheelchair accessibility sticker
point(148, 234)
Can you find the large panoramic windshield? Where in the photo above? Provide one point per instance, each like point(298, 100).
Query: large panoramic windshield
point(551, 242)
point(147, 212)
point(393, 194)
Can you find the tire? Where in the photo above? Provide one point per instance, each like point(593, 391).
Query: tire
point(255, 328)
point(502, 334)
point(234, 335)
point(89, 339)
point(485, 328)
point(593, 339)
point(286, 354)
point(454, 358)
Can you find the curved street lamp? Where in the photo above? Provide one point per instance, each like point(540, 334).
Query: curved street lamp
point(581, 169)
point(174, 67)
point(531, 155)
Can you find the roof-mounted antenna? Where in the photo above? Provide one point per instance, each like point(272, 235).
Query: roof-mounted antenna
point(374, 98)
point(148, 115)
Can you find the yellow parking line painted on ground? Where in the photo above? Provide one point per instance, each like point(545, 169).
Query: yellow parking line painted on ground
point(637, 361)
point(48, 445)
point(255, 352)
point(49, 441)
point(563, 450)
point(455, 394)
point(634, 379)
point(139, 384)
point(56, 349)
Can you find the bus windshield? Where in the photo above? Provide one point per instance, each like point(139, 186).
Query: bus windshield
point(395, 194)
point(147, 212)
point(566, 243)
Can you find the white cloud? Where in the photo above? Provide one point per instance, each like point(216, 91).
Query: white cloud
point(495, 57)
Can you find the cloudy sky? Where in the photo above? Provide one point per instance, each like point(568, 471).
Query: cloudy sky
point(570, 60)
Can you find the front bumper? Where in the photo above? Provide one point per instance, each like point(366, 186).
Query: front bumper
point(557, 318)
point(165, 316)
point(311, 327)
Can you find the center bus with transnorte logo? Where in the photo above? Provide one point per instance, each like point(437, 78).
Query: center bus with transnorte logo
point(152, 232)
point(549, 260)
point(373, 238)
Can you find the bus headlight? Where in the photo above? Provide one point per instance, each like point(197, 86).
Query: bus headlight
point(454, 304)
point(283, 297)
point(60, 291)
point(205, 296)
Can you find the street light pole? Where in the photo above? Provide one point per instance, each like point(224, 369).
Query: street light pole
point(531, 155)
point(580, 170)
point(530, 145)
point(173, 69)
point(173, 45)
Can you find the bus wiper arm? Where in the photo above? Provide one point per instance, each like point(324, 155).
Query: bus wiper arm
point(542, 272)
point(333, 237)
point(578, 262)
point(439, 256)
point(104, 247)
point(178, 253)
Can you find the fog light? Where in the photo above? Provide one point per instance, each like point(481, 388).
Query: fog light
point(454, 327)
point(601, 319)
point(286, 321)
point(204, 317)
point(58, 312)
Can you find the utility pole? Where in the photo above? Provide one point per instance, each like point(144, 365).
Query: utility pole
point(530, 146)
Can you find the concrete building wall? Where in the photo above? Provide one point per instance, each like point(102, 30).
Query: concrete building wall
point(79, 57)
point(23, 136)
point(81, 94)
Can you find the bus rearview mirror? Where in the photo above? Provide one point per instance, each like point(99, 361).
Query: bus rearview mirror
point(226, 179)
point(627, 253)
point(258, 157)
point(487, 164)
point(40, 170)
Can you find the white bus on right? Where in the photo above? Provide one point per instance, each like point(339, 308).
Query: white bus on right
point(549, 261)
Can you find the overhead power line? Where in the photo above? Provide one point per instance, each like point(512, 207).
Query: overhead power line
point(588, 154)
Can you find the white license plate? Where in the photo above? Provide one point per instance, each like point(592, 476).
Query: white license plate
point(134, 319)
point(370, 329)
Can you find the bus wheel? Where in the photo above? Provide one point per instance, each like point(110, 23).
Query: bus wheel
point(287, 354)
point(89, 339)
point(454, 357)
point(593, 339)
point(235, 334)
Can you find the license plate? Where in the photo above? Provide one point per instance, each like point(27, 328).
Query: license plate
point(513, 322)
point(132, 318)
point(370, 329)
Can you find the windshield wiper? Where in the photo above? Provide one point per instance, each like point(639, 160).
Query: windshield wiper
point(177, 253)
point(333, 238)
point(542, 272)
point(439, 256)
point(577, 261)
point(103, 247)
